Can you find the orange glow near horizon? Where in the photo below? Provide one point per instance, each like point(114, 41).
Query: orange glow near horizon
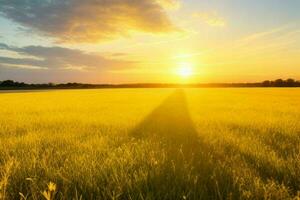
point(163, 41)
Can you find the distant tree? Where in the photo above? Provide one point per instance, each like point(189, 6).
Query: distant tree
point(22, 84)
point(51, 84)
point(290, 82)
point(279, 83)
point(266, 83)
point(7, 83)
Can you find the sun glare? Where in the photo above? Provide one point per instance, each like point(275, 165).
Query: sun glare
point(185, 70)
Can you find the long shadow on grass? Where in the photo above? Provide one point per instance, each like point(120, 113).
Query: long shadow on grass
point(186, 169)
point(283, 144)
point(170, 123)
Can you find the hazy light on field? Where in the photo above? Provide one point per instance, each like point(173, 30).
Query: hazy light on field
point(150, 143)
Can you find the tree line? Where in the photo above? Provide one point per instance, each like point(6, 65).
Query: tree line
point(281, 83)
point(10, 85)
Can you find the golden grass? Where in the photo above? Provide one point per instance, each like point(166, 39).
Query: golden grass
point(150, 144)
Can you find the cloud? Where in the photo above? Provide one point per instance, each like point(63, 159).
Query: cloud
point(264, 34)
point(39, 57)
point(44, 76)
point(90, 21)
point(170, 4)
point(210, 18)
point(3, 46)
point(57, 64)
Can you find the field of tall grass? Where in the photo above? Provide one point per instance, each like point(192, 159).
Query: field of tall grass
point(150, 144)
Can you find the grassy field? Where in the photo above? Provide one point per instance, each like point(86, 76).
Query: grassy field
point(150, 144)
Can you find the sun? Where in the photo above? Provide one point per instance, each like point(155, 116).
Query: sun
point(185, 70)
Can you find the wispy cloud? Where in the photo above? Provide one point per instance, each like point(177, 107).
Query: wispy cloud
point(270, 47)
point(210, 18)
point(89, 20)
point(58, 64)
point(170, 4)
point(36, 57)
point(264, 34)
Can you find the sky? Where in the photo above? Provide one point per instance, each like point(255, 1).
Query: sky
point(149, 41)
